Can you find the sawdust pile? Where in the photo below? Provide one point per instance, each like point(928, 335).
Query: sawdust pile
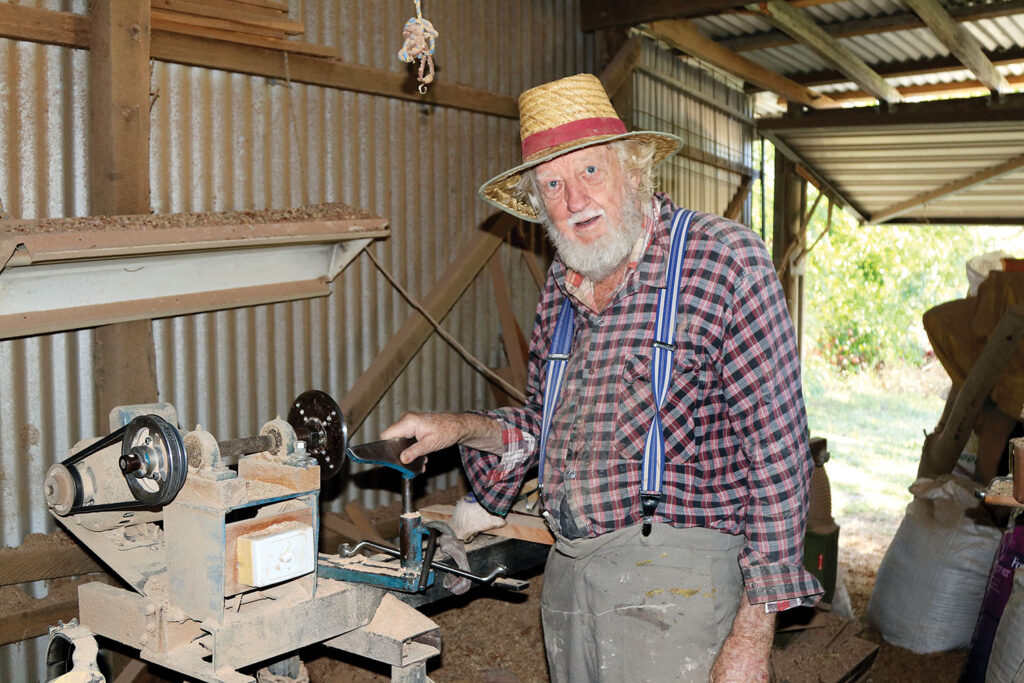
point(315, 212)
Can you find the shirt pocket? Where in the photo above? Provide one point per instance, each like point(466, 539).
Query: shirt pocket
point(684, 431)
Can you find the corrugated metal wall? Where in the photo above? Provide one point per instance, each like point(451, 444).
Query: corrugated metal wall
point(224, 141)
point(673, 95)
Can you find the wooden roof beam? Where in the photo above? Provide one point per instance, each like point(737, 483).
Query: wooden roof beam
point(1008, 108)
point(902, 21)
point(960, 42)
point(912, 67)
point(802, 28)
point(953, 187)
point(684, 36)
point(598, 14)
point(955, 89)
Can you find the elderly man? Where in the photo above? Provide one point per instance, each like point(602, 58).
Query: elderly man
point(664, 412)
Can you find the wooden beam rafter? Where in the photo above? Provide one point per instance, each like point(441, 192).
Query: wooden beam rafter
point(1008, 108)
point(73, 30)
point(901, 21)
point(960, 42)
point(913, 67)
point(984, 175)
point(621, 66)
point(598, 14)
point(684, 36)
point(808, 33)
point(954, 89)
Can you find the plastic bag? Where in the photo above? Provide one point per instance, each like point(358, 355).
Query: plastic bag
point(932, 580)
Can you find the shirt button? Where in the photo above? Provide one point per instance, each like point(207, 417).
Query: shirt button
point(571, 474)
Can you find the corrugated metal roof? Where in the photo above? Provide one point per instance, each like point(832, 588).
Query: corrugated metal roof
point(878, 166)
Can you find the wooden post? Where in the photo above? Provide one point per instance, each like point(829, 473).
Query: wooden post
point(788, 227)
point(123, 354)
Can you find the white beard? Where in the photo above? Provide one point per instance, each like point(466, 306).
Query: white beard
point(597, 260)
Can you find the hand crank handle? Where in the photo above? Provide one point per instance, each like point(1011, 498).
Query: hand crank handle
point(497, 573)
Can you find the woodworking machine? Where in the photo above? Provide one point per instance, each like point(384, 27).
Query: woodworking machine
point(221, 559)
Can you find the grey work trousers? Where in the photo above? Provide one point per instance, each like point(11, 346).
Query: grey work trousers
point(621, 607)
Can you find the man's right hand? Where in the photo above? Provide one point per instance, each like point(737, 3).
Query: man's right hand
point(437, 431)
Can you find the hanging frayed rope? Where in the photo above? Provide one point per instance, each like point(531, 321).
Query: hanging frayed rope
point(419, 35)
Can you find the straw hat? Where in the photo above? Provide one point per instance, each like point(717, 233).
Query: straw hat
point(560, 117)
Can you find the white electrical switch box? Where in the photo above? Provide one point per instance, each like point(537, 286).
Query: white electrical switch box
point(278, 553)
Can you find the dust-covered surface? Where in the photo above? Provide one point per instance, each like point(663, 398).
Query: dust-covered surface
point(160, 221)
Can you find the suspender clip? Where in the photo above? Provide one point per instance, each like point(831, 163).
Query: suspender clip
point(663, 345)
point(557, 356)
point(649, 502)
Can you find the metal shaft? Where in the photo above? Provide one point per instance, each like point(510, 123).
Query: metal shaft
point(235, 448)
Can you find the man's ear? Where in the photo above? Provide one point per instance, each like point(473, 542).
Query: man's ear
point(634, 180)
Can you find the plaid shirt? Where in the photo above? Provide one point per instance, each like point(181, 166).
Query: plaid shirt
point(737, 455)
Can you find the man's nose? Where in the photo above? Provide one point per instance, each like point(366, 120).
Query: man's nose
point(576, 196)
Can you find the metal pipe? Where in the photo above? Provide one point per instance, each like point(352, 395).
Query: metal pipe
point(235, 448)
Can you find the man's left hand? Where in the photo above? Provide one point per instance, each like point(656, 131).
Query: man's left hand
point(746, 655)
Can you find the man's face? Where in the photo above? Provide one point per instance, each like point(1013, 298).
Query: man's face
point(593, 213)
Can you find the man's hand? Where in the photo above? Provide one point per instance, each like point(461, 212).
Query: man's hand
point(746, 655)
point(436, 431)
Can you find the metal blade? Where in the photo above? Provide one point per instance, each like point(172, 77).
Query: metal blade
point(387, 453)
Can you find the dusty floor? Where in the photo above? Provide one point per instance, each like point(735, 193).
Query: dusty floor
point(496, 638)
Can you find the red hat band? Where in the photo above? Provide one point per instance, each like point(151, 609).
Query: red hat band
point(570, 132)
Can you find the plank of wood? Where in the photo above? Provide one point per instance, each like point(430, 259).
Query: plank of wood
point(961, 42)
point(414, 332)
point(119, 180)
point(984, 175)
point(240, 7)
point(683, 35)
point(732, 212)
point(266, 42)
point(521, 526)
point(598, 14)
point(227, 12)
point(621, 66)
point(214, 22)
point(899, 21)
point(44, 26)
point(357, 513)
point(22, 616)
point(341, 526)
point(516, 348)
point(269, 4)
point(72, 30)
point(45, 556)
point(131, 672)
point(799, 25)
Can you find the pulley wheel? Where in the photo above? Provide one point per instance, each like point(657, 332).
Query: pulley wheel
point(153, 460)
point(317, 420)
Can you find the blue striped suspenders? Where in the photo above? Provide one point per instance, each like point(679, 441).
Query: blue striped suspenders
point(661, 372)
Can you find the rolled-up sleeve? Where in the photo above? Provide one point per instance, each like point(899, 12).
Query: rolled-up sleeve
point(496, 478)
point(761, 378)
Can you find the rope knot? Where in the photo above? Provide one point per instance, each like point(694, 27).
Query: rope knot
point(419, 36)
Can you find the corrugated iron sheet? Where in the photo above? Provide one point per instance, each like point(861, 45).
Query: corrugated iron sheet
point(997, 33)
point(885, 165)
point(223, 141)
point(683, 104)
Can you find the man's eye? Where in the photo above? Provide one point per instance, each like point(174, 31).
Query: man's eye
point(591, 170)
point(552, 184)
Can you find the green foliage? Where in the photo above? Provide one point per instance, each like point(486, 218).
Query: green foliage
point(868, 286)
